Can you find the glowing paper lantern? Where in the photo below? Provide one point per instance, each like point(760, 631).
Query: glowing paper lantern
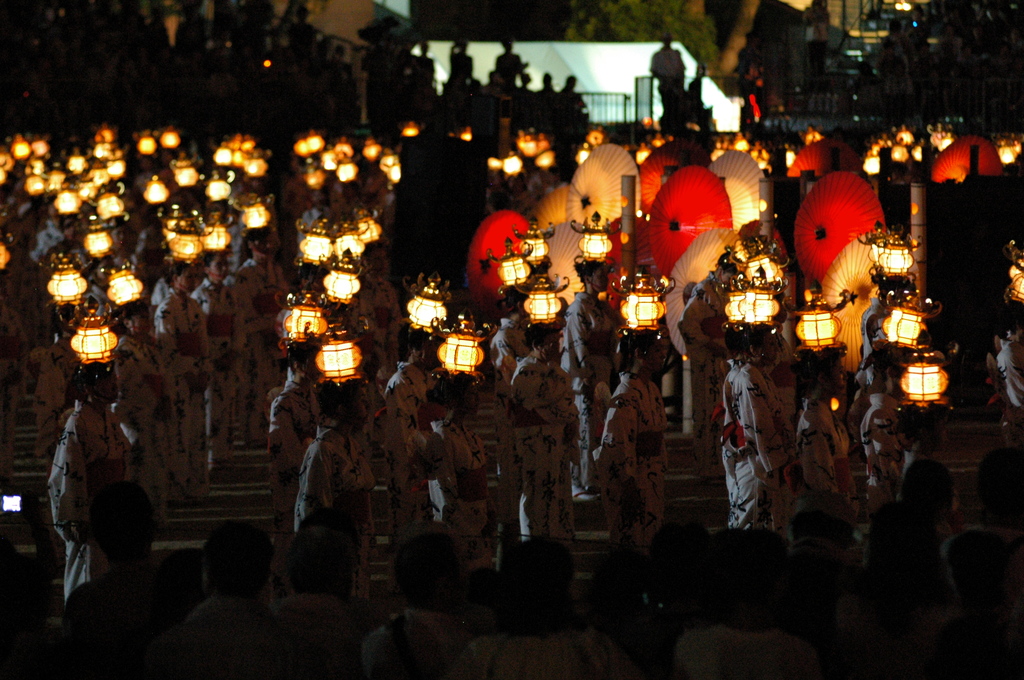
point(817, 325)
point(596, 242)
point(924, 381)
point(342, 283)
point(218, 188)
point(369, 229)
point(535, 245)
point(512, 267)
point(644, 303)
point(542, 301)
point(428, 301)
point(98, 242)
point(318, 244)
point(66, 285)
point(156, 191)
point(93, 340)
point(123, 287)
point(68, 202)
point(185, 173)
point(460, 352)
point(347, 170)
point(305, 320)
point(481, 270)
point(216, 237)
point(339, 358)
point(170, 139)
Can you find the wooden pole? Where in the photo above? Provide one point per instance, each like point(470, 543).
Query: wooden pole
point(628, 233)
point(918, 232)
point(766, 204)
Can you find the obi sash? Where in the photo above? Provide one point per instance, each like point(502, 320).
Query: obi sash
point(472, 484)
point(220, 325)
point(600, 343)
point(10, 347)
point(189, 344)
point(383, 316)
point(649, 444)
point(356, 504)
point(155, 381)
point(733, 433)
point(102, 472)
point(525, 417)
point(428, 413)
point(713, 327)
point(266, 304)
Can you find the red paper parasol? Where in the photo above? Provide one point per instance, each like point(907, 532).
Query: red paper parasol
point(691, 202)
point(818, 157)
point(679, 152)
point(839, 208)
point(483, 273)
point(954, 163)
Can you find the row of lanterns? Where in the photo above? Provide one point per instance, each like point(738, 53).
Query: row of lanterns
point(339, 158)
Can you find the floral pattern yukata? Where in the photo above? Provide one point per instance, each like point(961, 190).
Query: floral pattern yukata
point(823, 447)
point(542, 409)
point(757, 442)
point(633, 448)
point(181, 335)
point(508, 346)
point(54, 393)
point(226, 343)
point(336, 474)
point(458, 461)
point(587, 357)
point(701, 328)
point(885, 448)
point(1010, 386)
point(407, 424)
point(91, 454)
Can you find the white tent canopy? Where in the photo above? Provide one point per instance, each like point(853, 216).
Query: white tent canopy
point(598, 67)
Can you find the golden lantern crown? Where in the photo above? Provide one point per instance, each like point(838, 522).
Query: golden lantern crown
point(156, 192)
point(110, 205)
point(146, 144)
point(223, 154)
point(40, 147)
point(924, 380)
point(583, 153)
point(6, 238)
point(528, 144)
point(410, 129)
point(218, 186)
point(751, 299)
point(255, 164)
point(371, 149)
point(346, 237)
point(759, 255)
point(318, 242)
point(596, 242)
point(391, 166)
point(309, 144)
point(123, 286)
point(313, 176)
point(339, 358)
point(170, 138)
point(97, 240)
point(255, 211)
point(542, 301)
point(512, 164)
point(343, 148)
point(369, 228)
point(545, 159)
point(68, 201)
point(93, 340)
point(817, 325)
point(644, 294)
point(216, 237)
point(21, 148)
point(305, 320)
point(891, 249)
point(535, 241)
point(427, 303)
point(1015, 291)
point(117, 166)
point(98, 175)
point(906, 318)
point(184, 232)
point(461, 352)
point(328, 160)
point(66, 285)
point(342, 282)
point(347, 170)
point(596, 136)
point(105, 134)
point(185, 172)
point(512, 267)
point(35, 185)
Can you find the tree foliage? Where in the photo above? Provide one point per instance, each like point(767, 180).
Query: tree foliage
point(644, 21)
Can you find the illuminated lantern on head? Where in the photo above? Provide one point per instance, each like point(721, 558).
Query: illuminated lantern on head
point(170, 139)
point(34, 185)
point(535, 244)
point(644, 303)
point(410, 129)
point(392, 167)
point(924, 380)
point(93, 340)
point(371, 149)
point(427, 303)
point(255, 214)
point(216, 237)
point(339, 358)
point(460, 352)
point(542, 301)
point(223, 155)
point(752, 300)
point(512, 267)
point(760, 256)
point(318, 244)
point(305, 320)
point(347, 238)
point(596, 242)
point(545, 160)
point(906, 320)
point(583, 153)
point(642, 153)
point(369, 229)
point(146, 144)
point(68, 202)
point(218, 188)
point(98, 242)
point(892, 250)
point(123, 287)
point(156, 191)
point(116, 168)
point(54, 179)
point(66, 285)
point(40, 147)
point(184, 231)
point(256, 166)
point(109, 206)
point(342, 283)
point(185, 173)
point(512, 165)
point(347, 170)
point(21, 149)
point(817, 325)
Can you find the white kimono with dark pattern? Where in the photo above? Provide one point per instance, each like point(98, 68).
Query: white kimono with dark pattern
point(378, 302)
point(294, 419)
point(1011, 388)
point(406, 427)
point(180, 328)
point(13, 348)
point(507, 346)
point(823, 447)
point(870, 331)
point(224, 331)
point(458, 461)
point(757, 442)
point(256, 288)
point(54, 394)
point(336, 473)
point(885, 448)
point(92, 453)
point(588, 345)
point(141, 387)
point(701, 328)
point(544, 418)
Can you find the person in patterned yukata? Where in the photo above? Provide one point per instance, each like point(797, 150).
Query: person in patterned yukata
point(92, 453)
point(701, 328)
point(142, 405)
point(181, 335)
point(457, 459)
point(258, 285)
point(542, 409)
point(885, 445)
point(757, 440)
point(54, 393)
point(336, 472)
point(294, 418)
point(407, 420)
point(1009, 379)
point(378, 302)
point(217, 301)
point(508, 346)
point(822, 441)
point(632, 459)
point(587, 357)
point(12, 386)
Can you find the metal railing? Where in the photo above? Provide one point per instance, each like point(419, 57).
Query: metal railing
point(609, 108)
